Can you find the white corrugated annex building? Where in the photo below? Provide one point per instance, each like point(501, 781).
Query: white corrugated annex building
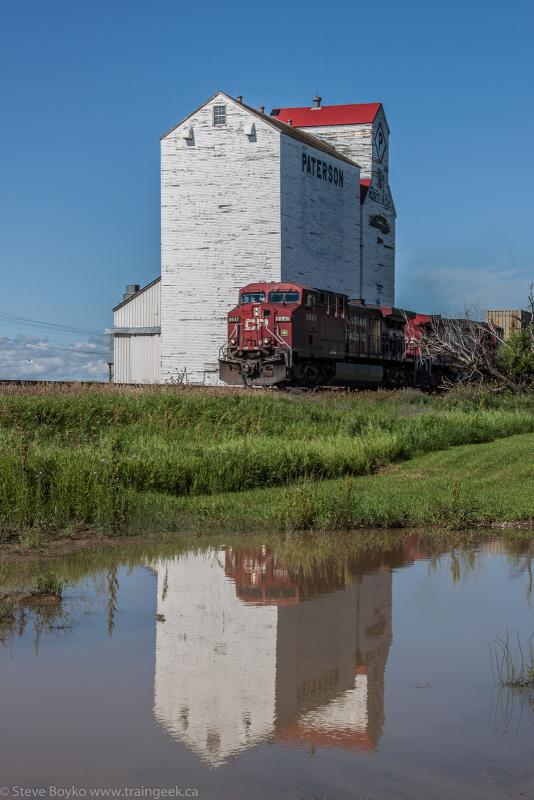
point(301, 194)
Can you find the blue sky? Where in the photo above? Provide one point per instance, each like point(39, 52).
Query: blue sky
point(87, 88)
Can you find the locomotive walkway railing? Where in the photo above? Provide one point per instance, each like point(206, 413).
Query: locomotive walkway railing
point(223, 350)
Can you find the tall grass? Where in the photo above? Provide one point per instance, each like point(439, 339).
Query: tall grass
point(452, 489)
point(69, 458)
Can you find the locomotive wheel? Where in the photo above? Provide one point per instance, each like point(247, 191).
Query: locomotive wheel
point(312, 374)
point(400, 379)
point(395, 379)
point(309, 374)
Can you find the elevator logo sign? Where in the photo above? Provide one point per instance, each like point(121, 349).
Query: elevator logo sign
point(380, 143)
point(316, 168)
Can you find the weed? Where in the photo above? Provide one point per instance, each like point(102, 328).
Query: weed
point(513, 666)
point(455, 511)
point(299, 514)
point(48, 584)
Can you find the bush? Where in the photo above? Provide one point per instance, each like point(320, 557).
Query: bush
point(517, 357)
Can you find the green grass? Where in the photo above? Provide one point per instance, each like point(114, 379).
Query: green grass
point(454, 489)
point(48, 584)
point(118, 460)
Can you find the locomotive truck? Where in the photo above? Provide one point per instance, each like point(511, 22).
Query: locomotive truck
point(286, 334)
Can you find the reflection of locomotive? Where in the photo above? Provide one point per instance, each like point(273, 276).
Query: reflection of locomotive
point(260, 578)
point(287, 334)
point(333, 631)
point(256, 648)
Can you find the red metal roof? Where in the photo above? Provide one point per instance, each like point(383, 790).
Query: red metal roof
point(355, 114)
point(364, 188)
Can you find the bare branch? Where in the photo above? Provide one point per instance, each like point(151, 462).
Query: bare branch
point(466, 350)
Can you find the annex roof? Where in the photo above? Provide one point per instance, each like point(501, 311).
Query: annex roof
point(353, 114)
point(136, 295)
point(275, 122)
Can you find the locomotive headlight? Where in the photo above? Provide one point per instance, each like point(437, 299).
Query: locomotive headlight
point(266, 341)
point(233, 341)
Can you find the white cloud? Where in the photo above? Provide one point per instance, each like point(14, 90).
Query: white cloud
point(31, 358)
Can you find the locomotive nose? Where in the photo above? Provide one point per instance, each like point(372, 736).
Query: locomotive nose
point(256, 333)
point(255, 353)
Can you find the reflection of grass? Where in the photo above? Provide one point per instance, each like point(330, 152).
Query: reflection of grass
point(40, 609)
point(101, 458)
point(7, 613)
point(513, 666)
point(310, 554)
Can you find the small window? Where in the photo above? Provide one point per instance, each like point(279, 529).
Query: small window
point(311, 301)
point(284, 297)
point(340, 306)
point(219, 115)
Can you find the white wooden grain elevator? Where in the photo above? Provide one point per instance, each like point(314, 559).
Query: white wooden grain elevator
point(299, 194)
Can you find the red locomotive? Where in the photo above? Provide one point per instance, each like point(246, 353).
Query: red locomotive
point(287, 334)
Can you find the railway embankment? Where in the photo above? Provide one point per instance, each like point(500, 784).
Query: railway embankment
point(151, 460)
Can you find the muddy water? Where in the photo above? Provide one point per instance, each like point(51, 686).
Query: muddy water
point(272, 670)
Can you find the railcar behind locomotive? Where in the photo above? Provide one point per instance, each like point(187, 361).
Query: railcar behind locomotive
point(286, 334)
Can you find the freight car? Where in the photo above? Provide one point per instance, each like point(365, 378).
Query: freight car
point(285, 334)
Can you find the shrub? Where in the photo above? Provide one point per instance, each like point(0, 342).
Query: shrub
point(517, 357)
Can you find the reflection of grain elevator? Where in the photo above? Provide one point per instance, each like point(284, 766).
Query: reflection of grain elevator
point(300, 194)
point(250, 652)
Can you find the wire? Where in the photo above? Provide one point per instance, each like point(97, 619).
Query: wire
point(76, 334)
point(14, 319)
point(64, 349)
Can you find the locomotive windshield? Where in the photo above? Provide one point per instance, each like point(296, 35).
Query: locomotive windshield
point(252, 297)
point(284, 297)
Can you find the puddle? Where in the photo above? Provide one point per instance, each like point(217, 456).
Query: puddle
point(272, 671)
